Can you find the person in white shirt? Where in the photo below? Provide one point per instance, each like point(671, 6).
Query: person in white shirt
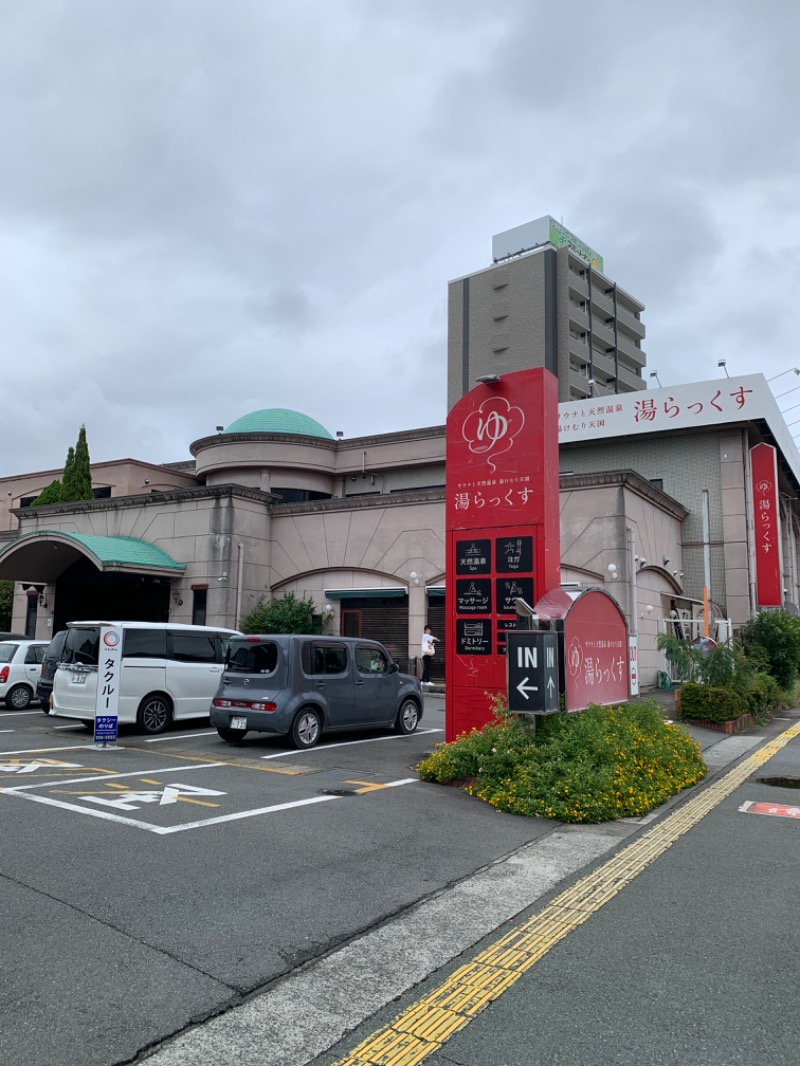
point(428, 651)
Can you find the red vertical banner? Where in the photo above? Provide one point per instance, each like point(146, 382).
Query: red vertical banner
point(503, 540)
point(766, 525)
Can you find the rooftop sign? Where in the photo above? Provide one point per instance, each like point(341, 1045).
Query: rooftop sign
point(542, 231)
point(698, 405)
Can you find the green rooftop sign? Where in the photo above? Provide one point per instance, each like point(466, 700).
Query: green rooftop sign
point(545, 230)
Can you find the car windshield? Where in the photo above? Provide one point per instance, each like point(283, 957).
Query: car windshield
point(7, 652)
point(250, 657)
point(82, 645)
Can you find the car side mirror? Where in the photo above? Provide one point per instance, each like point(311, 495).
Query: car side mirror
point(393, 668)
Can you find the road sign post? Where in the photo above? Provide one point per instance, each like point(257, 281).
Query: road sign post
point(532, 672)
point(108, 678)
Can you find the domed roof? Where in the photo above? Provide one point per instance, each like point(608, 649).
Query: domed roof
point(278, 420)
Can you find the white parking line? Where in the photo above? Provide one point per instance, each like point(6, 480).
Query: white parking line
point(109, 777)
point(348, 744)
point(169, 830)
point(40, 751)
point(180, 736)
point(16, 714)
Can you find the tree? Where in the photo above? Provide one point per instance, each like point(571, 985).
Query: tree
point(285, 614)
point(50, 494)
point(68, 477)
point(6, 603)
point(82, 470)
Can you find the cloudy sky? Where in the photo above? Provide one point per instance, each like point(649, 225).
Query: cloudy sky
point(210, 207)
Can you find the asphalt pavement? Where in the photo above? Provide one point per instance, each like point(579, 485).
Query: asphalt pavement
point(667, 939)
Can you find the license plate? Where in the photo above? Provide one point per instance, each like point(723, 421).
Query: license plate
point(79, 679)
point(238, 723)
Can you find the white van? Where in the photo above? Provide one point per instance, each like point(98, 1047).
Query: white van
point(169, 672)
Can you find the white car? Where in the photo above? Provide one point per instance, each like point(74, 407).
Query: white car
point(20, 666)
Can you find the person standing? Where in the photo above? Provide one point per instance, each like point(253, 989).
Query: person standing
point(428, 652)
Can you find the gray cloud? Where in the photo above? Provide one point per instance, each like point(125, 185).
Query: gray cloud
point(210, 208)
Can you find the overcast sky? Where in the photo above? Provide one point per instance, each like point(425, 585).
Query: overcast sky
point(209, 207)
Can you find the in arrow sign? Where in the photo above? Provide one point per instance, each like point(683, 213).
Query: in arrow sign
point(525, 688)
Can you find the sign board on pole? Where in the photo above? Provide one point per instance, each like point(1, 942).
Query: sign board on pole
point(108, 675)
point(633, 665)
point(767, 525)
point(532, 664)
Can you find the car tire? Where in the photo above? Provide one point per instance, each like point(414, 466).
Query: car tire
point(154, 714)
point(306, 728)
point(233, 736)
point(19, 697)
point(407, 718)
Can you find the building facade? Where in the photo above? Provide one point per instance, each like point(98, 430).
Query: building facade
point(545, 301)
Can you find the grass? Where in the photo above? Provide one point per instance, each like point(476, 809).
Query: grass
point(596, 766)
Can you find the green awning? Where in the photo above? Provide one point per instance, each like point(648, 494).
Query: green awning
point(436, 590)
point(125, 554)
point(365, 594)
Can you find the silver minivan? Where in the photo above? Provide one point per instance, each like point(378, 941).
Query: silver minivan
point(304, 686)
point(169, 672)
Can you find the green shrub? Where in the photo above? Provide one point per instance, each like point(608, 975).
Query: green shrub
point(284, 614)
point(763, 696)
point(601, 764)
point(774, 637)
point(711, 703)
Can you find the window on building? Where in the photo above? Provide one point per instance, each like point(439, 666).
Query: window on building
point(26, 501)
point(199, 599)
point(103, 493)
point(657, 482)
point(299, 495)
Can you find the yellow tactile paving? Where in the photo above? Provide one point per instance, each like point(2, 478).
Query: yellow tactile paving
point(422, 1029)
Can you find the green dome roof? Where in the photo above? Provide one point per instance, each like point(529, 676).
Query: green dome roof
point(278, 420)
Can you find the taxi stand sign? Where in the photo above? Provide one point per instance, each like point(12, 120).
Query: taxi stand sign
point(532, 671)
point(108, 678)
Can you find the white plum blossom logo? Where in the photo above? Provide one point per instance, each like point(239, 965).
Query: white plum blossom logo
point(492, 429)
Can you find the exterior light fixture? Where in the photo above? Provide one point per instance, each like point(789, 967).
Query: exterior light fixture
point(488, 379)
point(792, 369)
point(413, 576)
point(220, 429)
point(723, 363)
point(654, 374)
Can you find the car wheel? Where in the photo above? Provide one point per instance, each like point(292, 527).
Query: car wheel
point(18, 697)
point(306, 729)
point(154, 715)
point(407, 718)
point(231, 735)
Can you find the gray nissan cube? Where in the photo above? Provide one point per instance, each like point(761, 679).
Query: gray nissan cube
point(304, 686)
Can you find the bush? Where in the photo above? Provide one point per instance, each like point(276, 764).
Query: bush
point(601, 764)
point(763, 696)
point(711, 703)
point(285, 614)
point(774, 637)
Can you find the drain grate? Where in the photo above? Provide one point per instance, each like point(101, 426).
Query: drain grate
point(339, 791)
point(780, 782)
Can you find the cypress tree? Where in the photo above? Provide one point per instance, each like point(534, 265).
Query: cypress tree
point(68, 477)
point(82, 471)
point(50, 494)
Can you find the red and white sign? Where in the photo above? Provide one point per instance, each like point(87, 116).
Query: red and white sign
point(633, 665)
point(776, 810)
point(767, 525)
point(503, 537)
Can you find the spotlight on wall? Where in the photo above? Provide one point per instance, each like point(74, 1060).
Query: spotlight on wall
point(219, 429)
point(612, 571)
point(413, 576)
point(724, 365)
point(666, 560)
point(176, 595)
point(340, 433)
point(654, 374)
point(43, 601)
point(642, 561)
point(488, 379)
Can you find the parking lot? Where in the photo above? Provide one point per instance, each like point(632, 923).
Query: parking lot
point(161, 881)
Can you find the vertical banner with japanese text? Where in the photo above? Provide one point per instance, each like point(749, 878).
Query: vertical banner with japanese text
point(109, 657)
point(766, 525)
point(503, 540)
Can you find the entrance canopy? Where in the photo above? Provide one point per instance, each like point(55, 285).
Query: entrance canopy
point(44, 555)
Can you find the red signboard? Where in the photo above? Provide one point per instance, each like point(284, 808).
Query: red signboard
point(502, 518)
point(767, 525)
point(776, 810)
point(596, 650)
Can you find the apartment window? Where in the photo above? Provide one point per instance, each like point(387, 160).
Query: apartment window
point(103, 493)
point(657, 482)
point(199, 599)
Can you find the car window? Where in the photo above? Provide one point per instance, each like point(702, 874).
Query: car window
point(7, 652)
point(81, 645)
point(144, 644)
point(194, 647)
point(371, 660)
point(249, 657)
point(329, 659)
point(52, 652)
point(35, 653)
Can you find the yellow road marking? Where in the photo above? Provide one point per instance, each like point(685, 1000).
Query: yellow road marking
point(220, 762)
point(426, 1026)
point(369, 786)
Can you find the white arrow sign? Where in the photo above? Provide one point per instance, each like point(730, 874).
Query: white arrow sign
point(524, 688)
point(550, 686)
